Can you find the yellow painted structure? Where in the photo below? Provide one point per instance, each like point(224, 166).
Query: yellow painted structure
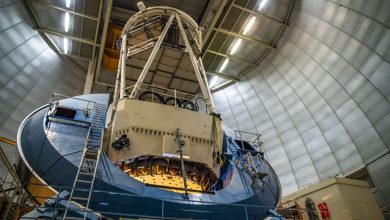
point(39, 190)
point(111, 53)
point(171, 183)
point(345, 198)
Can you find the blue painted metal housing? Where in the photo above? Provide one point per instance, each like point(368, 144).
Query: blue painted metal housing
point(52, 152)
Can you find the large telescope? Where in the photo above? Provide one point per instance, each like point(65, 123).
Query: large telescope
point(151, 150)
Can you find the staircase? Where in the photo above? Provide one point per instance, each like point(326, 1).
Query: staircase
point(83, 184)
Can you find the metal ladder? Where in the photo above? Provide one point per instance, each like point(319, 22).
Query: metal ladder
point(83, 184)
point(252, 165)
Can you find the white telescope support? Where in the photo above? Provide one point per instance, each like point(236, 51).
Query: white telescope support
point(193, 32)
point(202, 70)
point(145, 70)
point(118, 75)
point(198, 68)
point(123, 66)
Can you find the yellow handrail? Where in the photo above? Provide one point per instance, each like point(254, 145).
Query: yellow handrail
point(7, 141)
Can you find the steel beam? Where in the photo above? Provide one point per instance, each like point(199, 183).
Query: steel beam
point(222, 86)
point(199, 71)
point(35, 20)
point(151, 57)
point(97, 31)
point(64, 9)
point(224, 76)
point(89, 78)
point(214, 21)
point(122, 63)
point(285, 22)
point(75, 56)
point(234, 34)
point(62, 34)
point(206, 12)
point(103, 40)
point(220, 24)
point(258, 14)
point(244, 72)
point(230, 57)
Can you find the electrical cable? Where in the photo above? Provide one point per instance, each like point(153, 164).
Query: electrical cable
point(187, 104)
point(144, 96)
point(171, 101)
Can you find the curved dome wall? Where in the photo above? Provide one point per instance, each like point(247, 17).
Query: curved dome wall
point(321, 100)
point(29, 70)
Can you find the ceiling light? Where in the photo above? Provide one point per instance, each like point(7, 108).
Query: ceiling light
point(67, 3)
point(235, 46)
point(262, 3)
point(66, 22)
point(65, 45)
point(224, 65)
point(213, 80)
point(249, 25)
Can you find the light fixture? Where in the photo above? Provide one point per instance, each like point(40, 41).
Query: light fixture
point(235, 46)
point(249, 25)
point(67, 3)
point(65, 45)
point(225, 62)
point(213, 80)
point(66, 22)
point(262, 3)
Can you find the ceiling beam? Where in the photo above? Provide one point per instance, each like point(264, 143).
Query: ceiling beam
point(62, 34)
point(206, 12)
point(97, 29)
point(224, 76)
point(219, 26)
point(259, 14)
point(285, 22)
point(75, 56)
point(214, 21)
point(222, 86)
point(234, 34)
point(244, 72)
point(34, 17)
point(230, 57)
point(64, 9)
point(103, 39)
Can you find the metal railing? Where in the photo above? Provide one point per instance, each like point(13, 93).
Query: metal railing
point(252, 138)
point(171, 97)
point(55, 97)
point(242, 211)
point(87, 107)
point(12, 192)
point(240, 160)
